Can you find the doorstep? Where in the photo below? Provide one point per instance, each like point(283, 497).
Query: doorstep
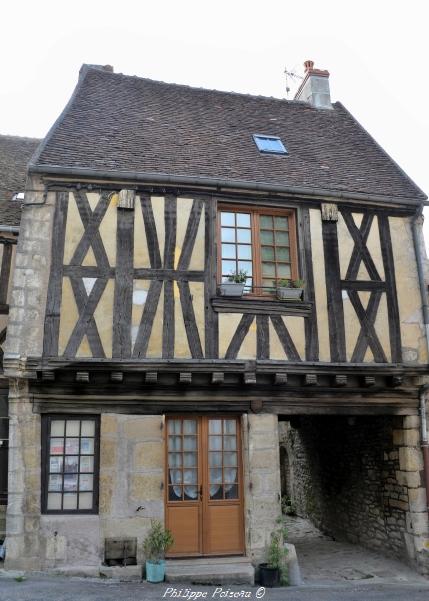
point(210, 570)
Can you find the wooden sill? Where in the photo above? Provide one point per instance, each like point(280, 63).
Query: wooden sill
point(259, 306)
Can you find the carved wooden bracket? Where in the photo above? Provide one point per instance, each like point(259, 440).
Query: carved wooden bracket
point(218, 377)
point(151, 377)
point(116, 376)
point(369, 381)
point(256, 405)
point(310, 380)
point(185, 377)
point(82, 376)
point(396, 381)
point(126, 199)
point(340, 380)
point(249, 377)
point(329, 211)
point(48, 375)
point(280, 379)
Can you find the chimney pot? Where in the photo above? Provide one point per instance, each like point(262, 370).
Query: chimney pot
point(308, 65)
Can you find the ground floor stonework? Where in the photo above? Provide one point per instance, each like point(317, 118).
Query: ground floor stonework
point(84, 488)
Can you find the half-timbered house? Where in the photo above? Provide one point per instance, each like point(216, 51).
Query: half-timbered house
point(138, 391)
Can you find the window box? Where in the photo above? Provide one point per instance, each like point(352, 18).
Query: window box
point(231, 289)
point(287, 294)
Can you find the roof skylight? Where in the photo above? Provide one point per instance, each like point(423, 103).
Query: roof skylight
point(269, 144)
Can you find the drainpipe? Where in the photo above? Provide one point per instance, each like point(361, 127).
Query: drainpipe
point(416, 225)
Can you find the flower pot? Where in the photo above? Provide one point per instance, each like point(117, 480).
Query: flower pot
point(268, 577)
point(231, 289)
point(289, 293)
point(155, 571)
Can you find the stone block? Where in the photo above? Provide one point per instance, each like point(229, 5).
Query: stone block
point(418, 523)
point(417, 499)
point(109, 424)
point(409, 479)
point(143, 428)
point(56, 548)
point(403, 505)
point(149, 455)
point(31, 457)
point(146, 486)
point(398, 437)
point(411, 421)
point(410, 459)
point(411, 437)
point(263, 423)
point(108, 450)
point(107, 484)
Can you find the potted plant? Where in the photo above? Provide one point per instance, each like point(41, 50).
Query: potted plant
point(234, 286)
point(274, 571)
point(156, 543)
point(289, 289)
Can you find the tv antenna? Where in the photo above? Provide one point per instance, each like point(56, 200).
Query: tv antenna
point(291, 76)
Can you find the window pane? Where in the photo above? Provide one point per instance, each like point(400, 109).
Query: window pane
point(55, 482)
point(228, 267)
point(174, 426)
point(281, 223)
point(54, 501)
point(230, 426)
point(215, 459)
point(57, 427)
point(266, 222)
point(267, 253)
point(282, 254)
point(174, 493)
point(190, 443)
point(268, 283)
point(268, 269)
point(229, 443)
point(227, 219)
point(71, 464)
point(87, 464)
point(215, 476)
point(282, 238)
point(174, 443)
point(176, 476)
point(190, 459)
point(56, 464)
point(72, 446)
point(174, 459)
point(189, 426)
point(283, 270)
point(215, 443)
point(244, 252)
point(267, 237)
point(191, 493)
point(85, 500)
point(72, 427)
point(88, 427)
point(228, 251)
point(57, 446)
point(190, 476)
point(230, 459)
point(228, 234)
point(70, 501)
point(70, 482)
point(231, 491)
point(246, 266)
point(215, 426)
point(87, 446)
point(243, 220)
point(230, 476)
point(244, 236)
point(86, 482)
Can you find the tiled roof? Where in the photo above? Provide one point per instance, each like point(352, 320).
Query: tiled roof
point(15, 153)
point(118, 123)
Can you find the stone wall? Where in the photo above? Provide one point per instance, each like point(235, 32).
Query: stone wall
point(261, 482)
point(359, 479)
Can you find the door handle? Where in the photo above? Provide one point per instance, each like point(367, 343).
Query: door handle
point(201, 492)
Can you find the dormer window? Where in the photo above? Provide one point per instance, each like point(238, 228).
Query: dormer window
point(269, 144)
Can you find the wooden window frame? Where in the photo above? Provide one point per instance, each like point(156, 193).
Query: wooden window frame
point(290, 213)
point(45, 431)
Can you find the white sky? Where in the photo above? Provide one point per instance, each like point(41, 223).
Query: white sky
point(376, 52)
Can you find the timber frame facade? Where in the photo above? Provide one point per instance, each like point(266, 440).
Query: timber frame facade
point(150, 393)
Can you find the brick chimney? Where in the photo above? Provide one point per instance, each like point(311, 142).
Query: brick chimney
point(315, 87)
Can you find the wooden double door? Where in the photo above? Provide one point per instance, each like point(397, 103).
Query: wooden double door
point(204, 492)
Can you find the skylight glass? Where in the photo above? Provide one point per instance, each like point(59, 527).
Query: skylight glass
point(270, 144)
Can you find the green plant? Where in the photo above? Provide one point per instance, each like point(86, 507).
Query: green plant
point(276, 554)
point(238, 277)
point(157, 542)
point(288, 506)
point(287, 283)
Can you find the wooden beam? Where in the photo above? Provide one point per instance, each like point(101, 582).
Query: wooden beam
point(310, 324)
point(126, 199)
point(5, 273)
point(123, 295)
